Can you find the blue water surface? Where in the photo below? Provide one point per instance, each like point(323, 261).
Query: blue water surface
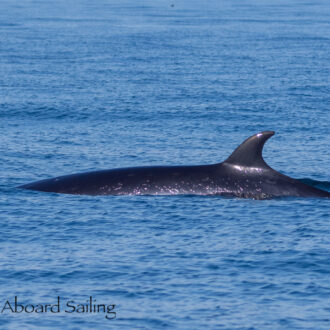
point(89, 85)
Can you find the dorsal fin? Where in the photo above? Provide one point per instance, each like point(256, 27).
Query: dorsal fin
point(249, 153)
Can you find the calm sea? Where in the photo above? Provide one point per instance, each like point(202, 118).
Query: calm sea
point(89, 85)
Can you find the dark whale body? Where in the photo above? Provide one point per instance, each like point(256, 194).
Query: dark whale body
point(244, 174)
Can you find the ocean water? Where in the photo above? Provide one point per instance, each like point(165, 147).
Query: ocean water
point(89, 85)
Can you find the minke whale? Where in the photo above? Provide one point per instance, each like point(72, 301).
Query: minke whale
point(244, 174)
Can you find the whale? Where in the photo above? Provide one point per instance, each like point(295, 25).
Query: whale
point(244, 174)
